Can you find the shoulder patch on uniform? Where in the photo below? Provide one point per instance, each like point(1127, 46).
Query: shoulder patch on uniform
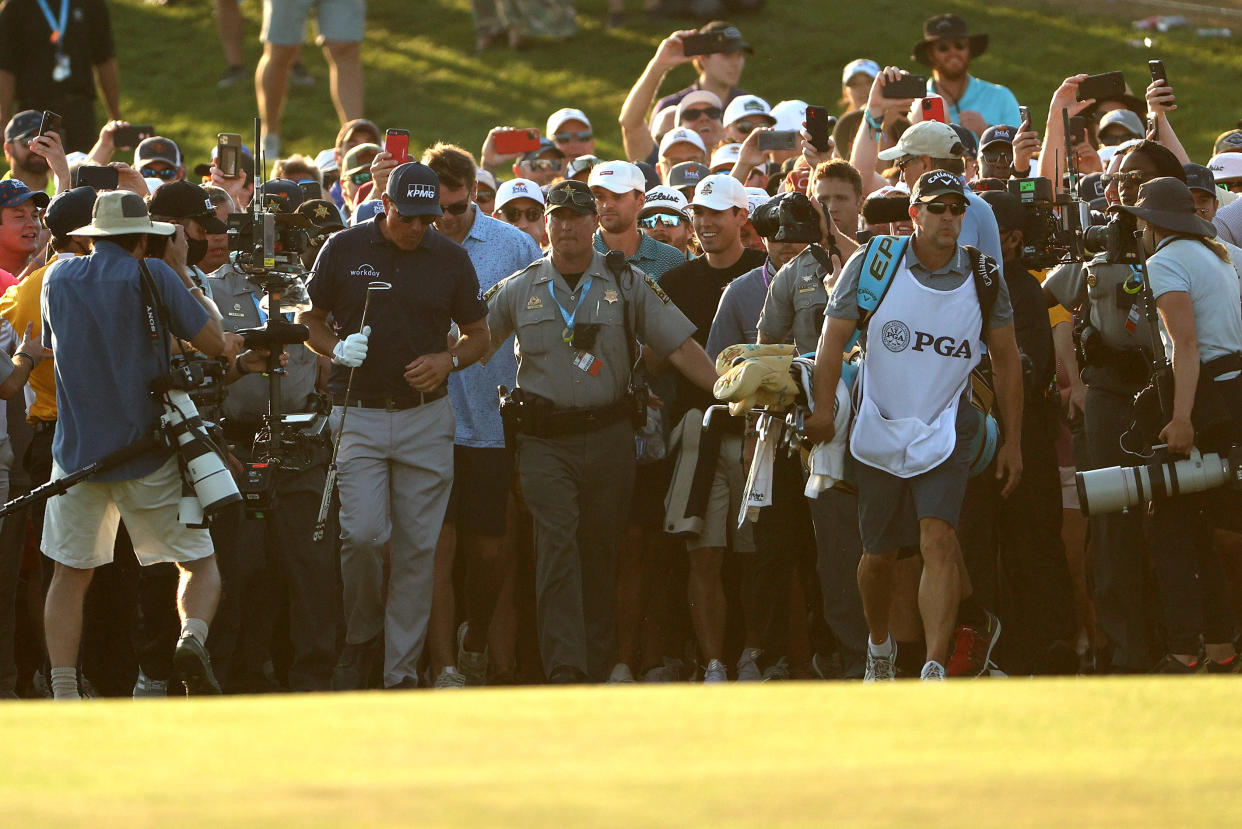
point(492, 291)
point(655, 286)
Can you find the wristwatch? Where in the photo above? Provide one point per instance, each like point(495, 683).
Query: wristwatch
point(456, 362)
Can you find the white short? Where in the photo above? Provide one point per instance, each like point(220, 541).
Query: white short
point(79, 527)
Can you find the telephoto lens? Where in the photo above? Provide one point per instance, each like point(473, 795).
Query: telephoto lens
point(210, 478)
point(1116, 488)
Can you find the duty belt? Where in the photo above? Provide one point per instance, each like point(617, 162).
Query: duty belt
point(395, 403)
point(564, 422)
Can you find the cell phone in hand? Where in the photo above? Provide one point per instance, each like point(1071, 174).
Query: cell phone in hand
point(101, 178)
point(50, 123)
point(1104, 87)
point(778, 140)
point(1156, 67)
point(516, 142)
point(397, 145)
point(908, 86)
point(228, 154)
point(817, 126)
point(126, 138)
point(933, 109)
point(1078, 130)
point(705, 44)
point(311, 190)
point(1024, 116)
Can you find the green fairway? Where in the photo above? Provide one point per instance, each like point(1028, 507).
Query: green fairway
point(422, 73)
point(1124, 752)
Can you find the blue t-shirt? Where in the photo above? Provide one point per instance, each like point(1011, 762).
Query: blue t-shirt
point(497, 250)
point(979, 227)
point(94, 321)
point(995, 103)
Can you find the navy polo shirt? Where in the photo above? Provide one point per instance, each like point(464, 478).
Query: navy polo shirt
point(433, 286)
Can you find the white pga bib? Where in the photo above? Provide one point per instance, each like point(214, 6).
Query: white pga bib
point(921, 347)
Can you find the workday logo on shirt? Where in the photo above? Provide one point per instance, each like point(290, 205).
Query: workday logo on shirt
point(366, 271)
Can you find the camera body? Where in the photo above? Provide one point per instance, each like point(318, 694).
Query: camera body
point(1050, 235)
point(789, 217)
point(1115, 240)
point(260, 243)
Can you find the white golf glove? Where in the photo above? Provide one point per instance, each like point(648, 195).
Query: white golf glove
point(351, 352)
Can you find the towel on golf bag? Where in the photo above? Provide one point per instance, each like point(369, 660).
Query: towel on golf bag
point(758, 492)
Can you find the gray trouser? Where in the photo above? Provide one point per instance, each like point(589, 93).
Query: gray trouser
point(396, 470)
point(578, 490)
point(835, 515)
point(1118, 546)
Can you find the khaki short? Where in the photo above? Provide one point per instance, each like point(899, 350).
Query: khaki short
point(79, 527)
point(1069, 488)
point(720, 518)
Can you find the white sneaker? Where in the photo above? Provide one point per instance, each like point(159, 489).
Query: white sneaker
point(450, 677)
point(621, 675)
point(881, 668)
point(932, 672)
point(145, 686)
point(473, 665)
point(747, 669)
point(716, 672)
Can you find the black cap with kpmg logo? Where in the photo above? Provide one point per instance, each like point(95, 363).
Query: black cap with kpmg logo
point(186, 200)
point(571, 193)
point(24, 124)
point(70, 210)
point(414, 189)
point(278, 195)
point(936, 183)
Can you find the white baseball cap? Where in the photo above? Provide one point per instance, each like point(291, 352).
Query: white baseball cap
point(1226, 166)
point(789, 115)
point(484, 177)
point(698, 96)
point(861, 66)
point(561, 116)
point(325, 161)
point(930, 138)
point(517, 188)
point(745, 106)
point(755, 196)
point(681, 135)
point(664, 198)
point(720, 192)
point(726, 154)
point(663, 121)
point(617, 177)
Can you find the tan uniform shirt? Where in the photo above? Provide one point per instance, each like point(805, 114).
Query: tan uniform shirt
point(523, 304)
point(795, 304)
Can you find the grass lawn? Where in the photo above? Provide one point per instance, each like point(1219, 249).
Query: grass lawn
point(1122, 752)
point(422, 73)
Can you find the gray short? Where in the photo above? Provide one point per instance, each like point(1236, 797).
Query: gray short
point(284, 21)
point(890, 508)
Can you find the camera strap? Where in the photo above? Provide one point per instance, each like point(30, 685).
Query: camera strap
point(155, 313)
point(616, 262)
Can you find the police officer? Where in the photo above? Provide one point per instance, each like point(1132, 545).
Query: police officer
point(576, 319)
point(1116, 346)
point(297, 570)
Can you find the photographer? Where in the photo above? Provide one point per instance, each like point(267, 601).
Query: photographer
point(1197, 296)
point(105, 364)
point(1115, 347)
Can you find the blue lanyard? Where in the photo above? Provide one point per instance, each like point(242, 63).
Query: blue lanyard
point(58, 30)
point(565, 315)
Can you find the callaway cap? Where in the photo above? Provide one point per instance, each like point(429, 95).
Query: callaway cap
point(323, 214)
point(862, 66)
point(789, 115)
point(930, 138)
point(720, 192)
point(1226, 142)
point(936, 183)
point(664, 199)
point(414, 189)
point(186, 200)
point(556, 119)
point(278, 196)
point(726, 155)
point(998, 134)
point(617, 177)
point(747, 106)
point(688, 174)
point(24, 124)
point(682, 135)
point(1226, 166)
point(572, 194)
point(734, 42)
point(70, 209)
point(14, 193)
point(1199, 177)
point(518, 188)
point(353, 163)
point(157, 148)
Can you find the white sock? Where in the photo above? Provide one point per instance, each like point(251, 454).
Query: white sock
point(65, 683)
point(884, 649)
point(196, 628)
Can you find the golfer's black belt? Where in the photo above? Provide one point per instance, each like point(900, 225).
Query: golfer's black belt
point(396, 403)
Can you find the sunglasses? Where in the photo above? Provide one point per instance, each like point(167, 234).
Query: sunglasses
point(360, 178)
point(660, 220)
point(713, 113)
point(545, 164)
point(513, 215)
point(425, 221)
point(566, 137)
point(951, 44)
point(565, 196)
point(901, 165)
point(938, 207)
point(1135, 176)
point(749, 126)
point(1000, 159)
point(456, 208)
point(165, 175)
